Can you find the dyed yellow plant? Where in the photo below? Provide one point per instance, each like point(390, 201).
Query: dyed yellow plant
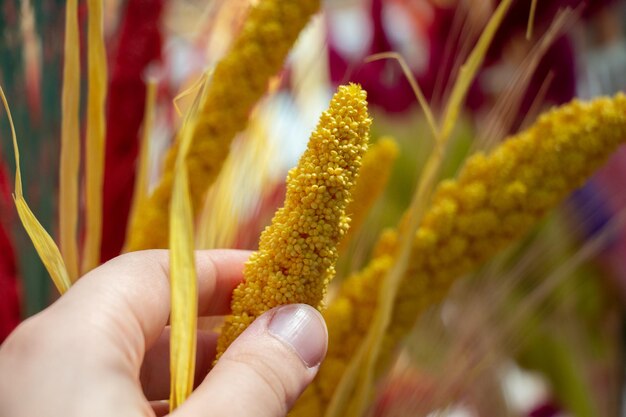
point(531, 19)
point(237, 83)
point(376, 168)
point(95, 136)
point(70, 142)
point(142, 172)
point(495, 200)
point(298, 251)
point(354, 392)
point(184, 297)
point(44, 245)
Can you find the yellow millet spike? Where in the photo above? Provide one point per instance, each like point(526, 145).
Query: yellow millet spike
point(373, 177)
point(495, 200)
point(239, 80)
point(298, 251)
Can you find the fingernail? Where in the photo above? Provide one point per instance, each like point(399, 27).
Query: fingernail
point(301, 327)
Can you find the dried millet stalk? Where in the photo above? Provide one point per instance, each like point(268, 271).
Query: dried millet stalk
point(240, 79)
point(298, 251)
point(373, 177)
point(495, 200)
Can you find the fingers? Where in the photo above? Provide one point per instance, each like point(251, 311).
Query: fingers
point(155, 370)
point(265, 369)
point(128, 298)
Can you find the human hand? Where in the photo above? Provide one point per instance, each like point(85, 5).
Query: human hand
point(103, 348)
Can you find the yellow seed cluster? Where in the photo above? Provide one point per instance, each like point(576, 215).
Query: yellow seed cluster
point(298, 251)
point(238, 82)
point(373, 177)
point(495, 200)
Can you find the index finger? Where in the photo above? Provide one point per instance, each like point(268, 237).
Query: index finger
point(132, 292)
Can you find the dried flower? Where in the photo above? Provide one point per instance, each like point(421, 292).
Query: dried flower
point(298, 251)
point(495, 200)
point(373, 177)
point(238, 82)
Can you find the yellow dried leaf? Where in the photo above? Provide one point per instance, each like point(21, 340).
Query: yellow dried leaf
point(531, 19)
point(183, 280)
point(45, 246)
point(184, 292)
point(140, 192)
point(95, 136)
point(70, 142)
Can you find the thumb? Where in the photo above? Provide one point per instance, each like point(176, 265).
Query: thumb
point(265, 369)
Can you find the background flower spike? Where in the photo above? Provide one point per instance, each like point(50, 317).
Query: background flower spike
point(373, 177)
point(495, 200)
point(239, 80)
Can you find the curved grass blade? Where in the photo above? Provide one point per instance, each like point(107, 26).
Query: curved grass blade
point(468, 72)
point(183, 280)
point(419, 94)
point(45, 246)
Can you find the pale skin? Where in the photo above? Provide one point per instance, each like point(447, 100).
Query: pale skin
point(102, 349)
